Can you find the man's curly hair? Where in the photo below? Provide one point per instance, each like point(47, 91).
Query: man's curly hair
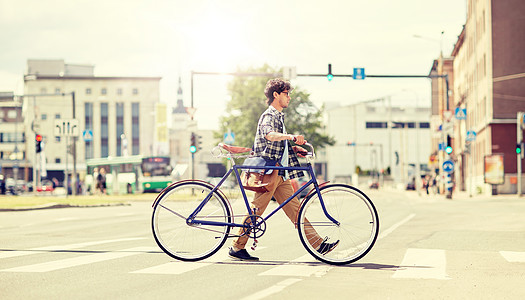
point(275, 85)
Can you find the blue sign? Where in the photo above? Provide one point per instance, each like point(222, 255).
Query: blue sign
point(87, 135)
point(471, 136)
point(229, 138)
point(461, 113)
point(359, 73)
point(448, 166)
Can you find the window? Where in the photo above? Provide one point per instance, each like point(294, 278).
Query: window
point(371, 125)
point(424, 125)
point(119, 91)
point(43, 90)
point(11, 114)
point(57, 160)
point(120, 127)
point(57, 90)
point(88, 121)
point(104, 150)
point(57, 116)
point(43, 117)
point(135, 129)
point(103, 91)
point(135, 91)
point(57, 139)
point(88, 91)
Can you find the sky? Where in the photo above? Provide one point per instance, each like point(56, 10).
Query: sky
point(171, 38)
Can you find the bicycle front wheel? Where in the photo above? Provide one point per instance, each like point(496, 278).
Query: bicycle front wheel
point(184, 241)
point(357, 228)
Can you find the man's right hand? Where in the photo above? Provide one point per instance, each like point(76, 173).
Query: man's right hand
point(299, 139)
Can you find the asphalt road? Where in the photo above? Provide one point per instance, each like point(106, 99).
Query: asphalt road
point(429, 247)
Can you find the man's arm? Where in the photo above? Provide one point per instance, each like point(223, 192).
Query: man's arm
point(277, 136)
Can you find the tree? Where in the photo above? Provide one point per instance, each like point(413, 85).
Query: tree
point(248, 102)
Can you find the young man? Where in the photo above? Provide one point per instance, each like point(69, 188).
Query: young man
point(272, 143)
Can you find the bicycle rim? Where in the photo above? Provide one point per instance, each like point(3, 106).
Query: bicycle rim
point(358, 228)
point(190, 242)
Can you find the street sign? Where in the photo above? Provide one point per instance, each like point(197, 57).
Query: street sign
point(461, 113)
point(229, 138)
point(87, 135)
point(359, 73)
point(448, 166)
point(448, 128)
point(66, 127)
point(471, 136)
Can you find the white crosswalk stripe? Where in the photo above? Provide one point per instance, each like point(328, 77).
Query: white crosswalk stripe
point(423, 264)
point(298, 268)
point(13, 253)
point(180, 267)
point(512, 256)
point(77, 261)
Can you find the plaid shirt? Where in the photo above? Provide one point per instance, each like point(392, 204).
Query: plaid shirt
point(272, 121)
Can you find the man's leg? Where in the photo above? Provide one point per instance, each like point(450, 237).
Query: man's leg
point(283, 192)
point(259, 203)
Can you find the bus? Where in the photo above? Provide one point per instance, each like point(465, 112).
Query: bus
point(156, 173)
point(130, 174)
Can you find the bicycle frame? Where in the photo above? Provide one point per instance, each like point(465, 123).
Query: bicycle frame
point(235, 169)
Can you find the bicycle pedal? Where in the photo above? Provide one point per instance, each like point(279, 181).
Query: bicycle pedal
point(254, 245)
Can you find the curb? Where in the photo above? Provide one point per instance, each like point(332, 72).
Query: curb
point(56, 205)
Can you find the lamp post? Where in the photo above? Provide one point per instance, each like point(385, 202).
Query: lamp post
point(418, 164)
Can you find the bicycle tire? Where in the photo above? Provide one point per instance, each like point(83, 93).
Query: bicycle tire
point(181, 240)
point(358, 218)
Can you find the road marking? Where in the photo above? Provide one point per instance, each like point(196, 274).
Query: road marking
point(395, 226)
point(423, 264)
point(180, 267)
point(15, 253)
point(77, 261)
point(273, 289)
point(66, 219)
point(512, 256)
point(298, 268)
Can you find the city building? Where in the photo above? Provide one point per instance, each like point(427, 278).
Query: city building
point(377, 137)
point(13, 163)
point(115, 115)
point(489, 85)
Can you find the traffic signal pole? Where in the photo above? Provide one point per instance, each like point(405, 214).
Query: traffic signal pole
point(519, 139)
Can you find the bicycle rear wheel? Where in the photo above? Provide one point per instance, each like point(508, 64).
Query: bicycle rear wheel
point(190, 242)
point(358, 223)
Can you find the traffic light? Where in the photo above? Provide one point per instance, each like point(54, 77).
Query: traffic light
point(193, 144)
point(38, 143)
point(330, 76)
point(448, 148)
point(519, 149)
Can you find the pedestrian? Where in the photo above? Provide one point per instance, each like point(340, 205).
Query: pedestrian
point(427, 183)
point(95, 182)
point(101, 179)
point(272, 143)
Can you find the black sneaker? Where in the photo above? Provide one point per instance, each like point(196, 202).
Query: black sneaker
point(325, 247)
point(242, 255)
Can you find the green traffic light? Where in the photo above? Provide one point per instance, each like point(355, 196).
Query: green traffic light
point(330, 77)
point(448, 149)
point(518, 149)
point(193, 149)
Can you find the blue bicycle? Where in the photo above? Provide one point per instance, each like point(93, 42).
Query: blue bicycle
point(192, 219)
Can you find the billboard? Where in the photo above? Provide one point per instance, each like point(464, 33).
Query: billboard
point(494, 169)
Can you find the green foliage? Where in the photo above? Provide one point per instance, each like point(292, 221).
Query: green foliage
point(248, 102)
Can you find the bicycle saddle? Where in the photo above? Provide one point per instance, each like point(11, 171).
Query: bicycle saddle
point(234, 149)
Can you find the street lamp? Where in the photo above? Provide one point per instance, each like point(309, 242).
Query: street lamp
point(418, 164)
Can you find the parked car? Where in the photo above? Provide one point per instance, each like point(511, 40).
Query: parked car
point(299, 182)
point(45, 186)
